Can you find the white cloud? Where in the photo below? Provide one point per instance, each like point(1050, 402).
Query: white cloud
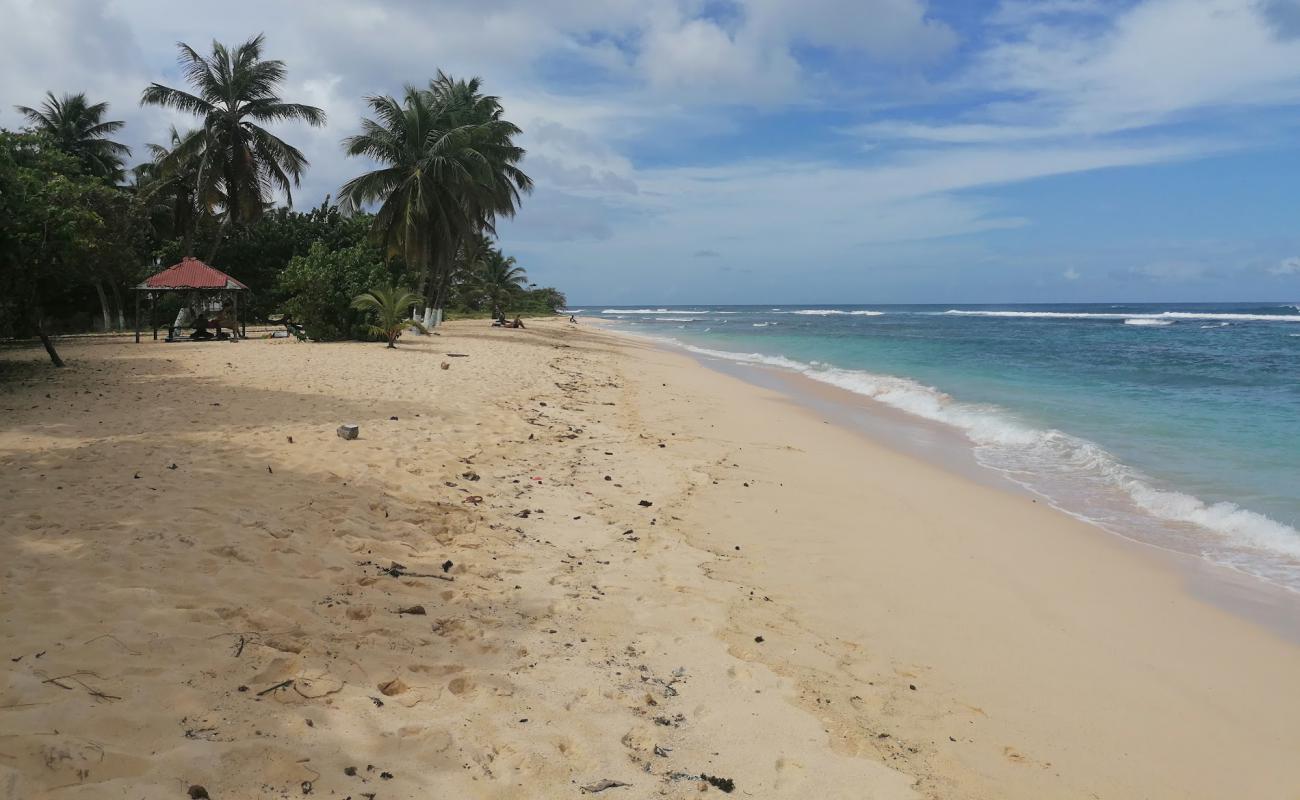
point(1287, 266)
point(1157, 62)
point(1055, 87)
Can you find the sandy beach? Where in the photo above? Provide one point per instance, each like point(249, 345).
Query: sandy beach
point(559, 559)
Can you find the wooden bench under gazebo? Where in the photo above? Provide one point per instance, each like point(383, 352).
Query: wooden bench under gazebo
point(209, 290)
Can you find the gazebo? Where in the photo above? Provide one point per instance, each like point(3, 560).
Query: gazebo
point(190, 275)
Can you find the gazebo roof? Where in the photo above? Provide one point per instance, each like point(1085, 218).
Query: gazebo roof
point(191, 273)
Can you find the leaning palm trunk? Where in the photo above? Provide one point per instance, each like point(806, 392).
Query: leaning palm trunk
point(38, 319)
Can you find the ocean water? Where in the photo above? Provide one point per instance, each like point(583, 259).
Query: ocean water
point(1176, 425)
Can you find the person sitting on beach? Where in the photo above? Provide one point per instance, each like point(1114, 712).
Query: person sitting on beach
point(201, 332)
point(518, 323)
point(573, 319)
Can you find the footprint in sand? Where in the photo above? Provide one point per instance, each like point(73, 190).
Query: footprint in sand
point(460, 686)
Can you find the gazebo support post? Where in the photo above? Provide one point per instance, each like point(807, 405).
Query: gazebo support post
point(153, 302)
point(137, 317)
point(234, 328)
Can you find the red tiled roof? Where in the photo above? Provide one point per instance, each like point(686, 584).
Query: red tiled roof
point(191, 274)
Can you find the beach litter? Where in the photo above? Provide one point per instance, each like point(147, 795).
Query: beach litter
point(397, 570)
point(727, 785)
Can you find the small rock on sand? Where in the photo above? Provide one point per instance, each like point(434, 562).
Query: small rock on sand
point(349, 431)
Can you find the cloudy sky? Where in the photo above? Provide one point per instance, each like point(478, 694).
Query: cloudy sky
point(798, 150)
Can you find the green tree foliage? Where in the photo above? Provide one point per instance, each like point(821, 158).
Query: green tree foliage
point(235, 95)
point(169, 182)
point(321, 286)
point(73, 244)
point(499, 280)
point(389, 307)
point(258, 253)
point(448, 169)
point(48, 229)
point(78, 128)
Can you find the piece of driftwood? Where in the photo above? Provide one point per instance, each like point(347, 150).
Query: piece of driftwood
point(602, 785)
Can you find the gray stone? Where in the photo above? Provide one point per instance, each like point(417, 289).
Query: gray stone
point(349, 431)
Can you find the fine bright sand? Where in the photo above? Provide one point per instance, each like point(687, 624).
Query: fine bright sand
point(615, 566)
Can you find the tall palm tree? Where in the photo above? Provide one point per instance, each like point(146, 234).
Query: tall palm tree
point(500, 181)
point(500, 279)
point(410, 185)
point(234, 95)
point(448, 170)
point(390, 304)
point(78, 128)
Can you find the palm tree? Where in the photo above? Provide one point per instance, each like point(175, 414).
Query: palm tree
point(390, 304)
point(79, 129)
point(234, 94)
point(410, 186)
point(500, 182)
point(170, 183)
point(499, 280)
point(448, 170)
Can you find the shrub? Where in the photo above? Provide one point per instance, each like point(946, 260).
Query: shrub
point(321, 285)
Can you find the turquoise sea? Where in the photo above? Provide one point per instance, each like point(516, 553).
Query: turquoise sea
point(1173, 424)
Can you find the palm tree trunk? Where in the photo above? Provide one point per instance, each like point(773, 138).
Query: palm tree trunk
point(121, 309)
point(221, 232)
point(103, 306)
point(39, 319)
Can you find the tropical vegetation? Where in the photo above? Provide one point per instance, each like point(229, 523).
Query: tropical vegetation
point(240, 162)
point(78, 128)
point(448, 170)
point(79, 227)
point(388, 305)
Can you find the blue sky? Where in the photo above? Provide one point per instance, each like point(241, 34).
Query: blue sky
point(816, 151)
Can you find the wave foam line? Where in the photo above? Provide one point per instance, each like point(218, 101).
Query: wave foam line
point(654, 311)
point(832, 312)
point(1163, 315)
point(1009, 446)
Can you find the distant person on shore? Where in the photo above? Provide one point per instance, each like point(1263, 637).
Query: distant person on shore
point(573, 319)
point(518, 323)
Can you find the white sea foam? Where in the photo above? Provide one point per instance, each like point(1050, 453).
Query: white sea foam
point(1163, 315)
point(832, 312)
point(1147, 321)
point(1074, 472)
point(677, 319)
point(569, 311)
point(655, 311)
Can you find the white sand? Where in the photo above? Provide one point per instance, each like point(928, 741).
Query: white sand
point(566, 650)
